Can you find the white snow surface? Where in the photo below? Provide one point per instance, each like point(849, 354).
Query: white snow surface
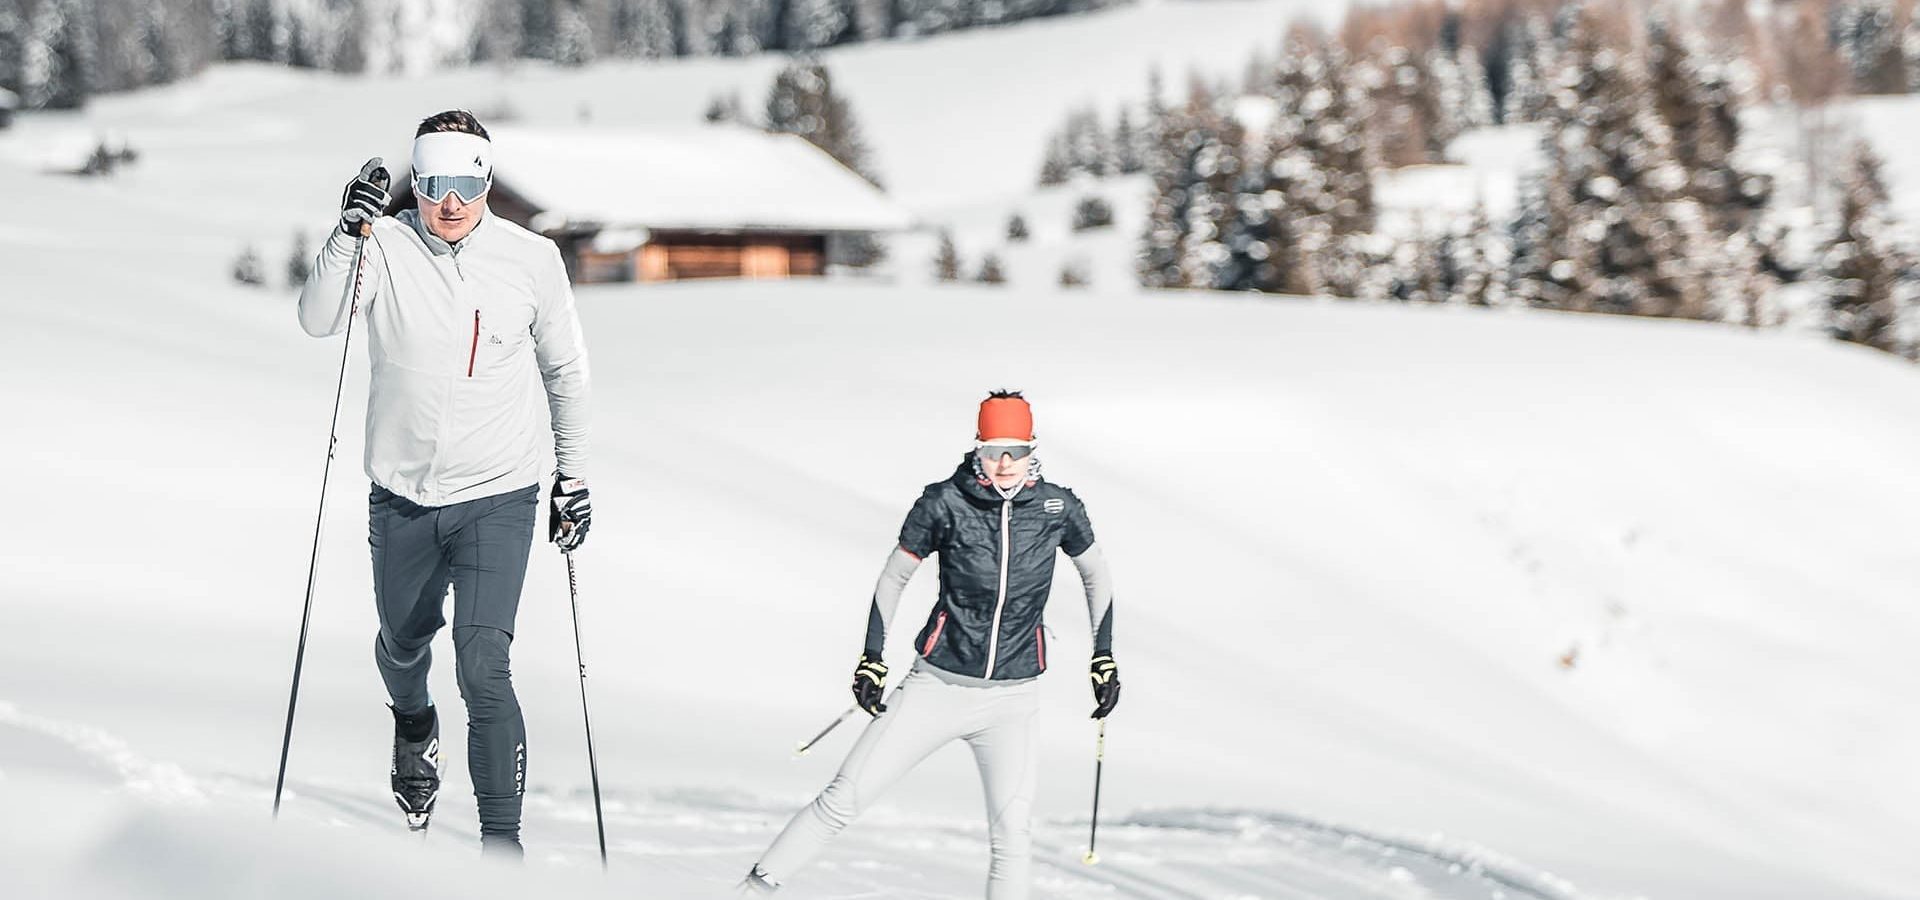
point(718, 177)
point(1352, 544)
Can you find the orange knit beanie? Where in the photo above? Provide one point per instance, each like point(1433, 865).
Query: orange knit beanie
point(1005, 418)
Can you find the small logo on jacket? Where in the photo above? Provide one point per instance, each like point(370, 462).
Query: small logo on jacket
point(1054, 506)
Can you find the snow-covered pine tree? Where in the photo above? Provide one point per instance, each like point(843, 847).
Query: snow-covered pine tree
point(1086, 144)
point(497, 32)
point(572, 34)
point(1055, 168)
point(1408, 110)
point(1910, 50)
point(803, 102)
point(644, 29)
point(58, 55)
point(1459, 98)
point(1273, 239)
point(946, 259)
point(1422, 268)
point(754, 26)
point(1531, 65)
point(1696, 96)
point(1631, 235)
point(1540, 273)
point(1338, 139)
point(1017, 229)
point(1188, 187)
point(812, 24)
point(924, 17)
point(1866, 35)
point(1300, 219)
point(1129, 156)
point(13, 46)
point(1863, 274)
point(1480, 280)
point(703, 26)
point(1217, 172)
point(873, 19)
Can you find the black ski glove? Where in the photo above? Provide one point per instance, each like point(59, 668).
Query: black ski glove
point(570, 514)
point(364, 199)
point(1106, 685)
point(869, 682)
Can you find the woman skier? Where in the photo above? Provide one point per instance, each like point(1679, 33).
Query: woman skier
point(996, 525)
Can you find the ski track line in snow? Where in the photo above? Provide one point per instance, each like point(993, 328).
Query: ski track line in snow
point(1477, 863)
point(161, 781)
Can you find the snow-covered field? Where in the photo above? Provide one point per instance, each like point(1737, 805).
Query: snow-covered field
point(1353, 543)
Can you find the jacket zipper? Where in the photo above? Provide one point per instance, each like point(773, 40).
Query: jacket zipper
point(1040, 644)
point(474, 351)
point(939, 625)
point(1000, 605)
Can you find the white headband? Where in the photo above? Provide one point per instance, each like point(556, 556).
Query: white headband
point(452, 153)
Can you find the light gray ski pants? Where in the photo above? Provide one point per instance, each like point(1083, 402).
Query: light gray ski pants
point(922, 715)
point(480, 547)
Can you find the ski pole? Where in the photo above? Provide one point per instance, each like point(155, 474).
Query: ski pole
point(375, 172)
point(1099, 763)
point(593, 765)
point(804, 746)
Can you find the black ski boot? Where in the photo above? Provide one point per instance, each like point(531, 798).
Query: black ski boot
point(416, 765)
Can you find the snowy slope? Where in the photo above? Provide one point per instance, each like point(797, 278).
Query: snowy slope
point(1353, 543)
point(1346, 578)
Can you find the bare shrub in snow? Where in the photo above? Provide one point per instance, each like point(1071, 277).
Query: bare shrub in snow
point(248, 270)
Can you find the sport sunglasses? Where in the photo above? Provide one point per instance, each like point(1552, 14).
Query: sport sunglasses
point(995, 451)
point(435, 188)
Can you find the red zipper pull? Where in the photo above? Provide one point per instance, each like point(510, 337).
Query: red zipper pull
point(474, 351)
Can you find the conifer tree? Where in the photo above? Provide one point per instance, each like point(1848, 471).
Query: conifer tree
point(1865, 34)
point(1186, 165)
point(1128, 155)
point(1617, 233)
point(946, 260)
point(991, 271)
point(643, 29)
point(1864, 277)
point(803, 102)
point(812, 24)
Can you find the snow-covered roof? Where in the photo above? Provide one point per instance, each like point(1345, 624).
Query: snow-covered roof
point(720, 177)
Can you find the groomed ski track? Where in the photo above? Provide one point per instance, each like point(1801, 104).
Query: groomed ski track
point(703, 838)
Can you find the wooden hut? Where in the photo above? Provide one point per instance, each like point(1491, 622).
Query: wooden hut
point(717, 202)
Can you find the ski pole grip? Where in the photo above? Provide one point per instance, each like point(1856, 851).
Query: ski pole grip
point(374, 172)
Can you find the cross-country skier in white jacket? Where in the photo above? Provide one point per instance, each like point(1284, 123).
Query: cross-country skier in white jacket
point(461, 310)
point(997, 527)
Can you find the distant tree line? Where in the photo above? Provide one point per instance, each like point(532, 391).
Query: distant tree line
point(1640, 207)
point(56, 53)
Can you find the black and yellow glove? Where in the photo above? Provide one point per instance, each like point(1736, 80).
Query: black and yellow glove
point(1106, 685)
point(869, 683)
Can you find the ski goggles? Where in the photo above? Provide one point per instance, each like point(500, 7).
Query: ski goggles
point(995, 451)
point(435, 188)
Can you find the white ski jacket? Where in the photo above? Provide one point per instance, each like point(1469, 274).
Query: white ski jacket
point(455, 334)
